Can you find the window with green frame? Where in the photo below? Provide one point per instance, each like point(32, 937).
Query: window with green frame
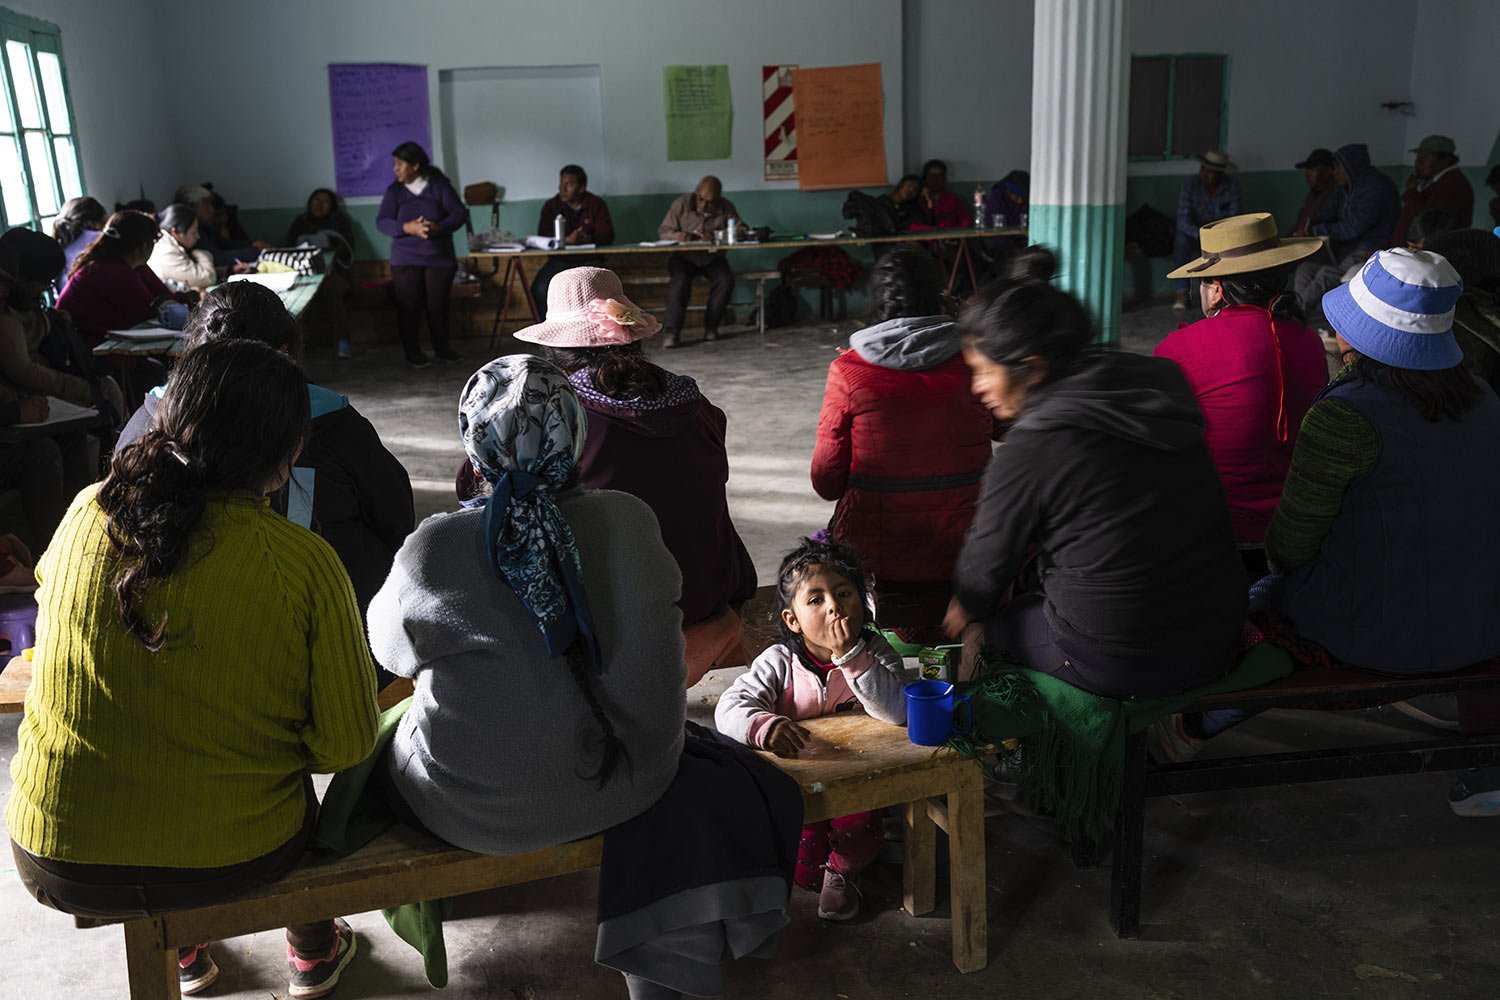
point(1179, 105)
point(39, 164)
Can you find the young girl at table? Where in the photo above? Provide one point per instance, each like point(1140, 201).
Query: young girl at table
point(828, 660)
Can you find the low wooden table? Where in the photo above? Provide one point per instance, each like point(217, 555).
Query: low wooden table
point(14, 681)
point(857, 764)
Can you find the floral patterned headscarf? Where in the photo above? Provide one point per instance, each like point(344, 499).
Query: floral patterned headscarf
point(524, 428)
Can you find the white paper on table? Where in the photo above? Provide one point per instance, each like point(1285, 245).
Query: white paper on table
point(822, 236)
point(280, 281)
point(581, 246)
point(543, 242)
point(61, 411)
point(659, 243)
point(505, 248)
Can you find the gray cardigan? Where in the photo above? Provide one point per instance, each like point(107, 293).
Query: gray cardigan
point(490, 755)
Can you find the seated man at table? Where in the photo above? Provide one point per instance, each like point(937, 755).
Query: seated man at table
point(585, 221)
point(226, 250)
point(694, 218)
point(903, 198)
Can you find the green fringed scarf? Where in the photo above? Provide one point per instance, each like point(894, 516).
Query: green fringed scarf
point(1073, 742)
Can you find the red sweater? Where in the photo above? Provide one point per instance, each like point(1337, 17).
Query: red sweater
point(943, 212)
point(882, 432)
point(1451, 193)
point(112, 295)
point(1254, 388)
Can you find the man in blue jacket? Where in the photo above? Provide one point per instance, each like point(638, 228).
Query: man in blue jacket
point(1356, 222)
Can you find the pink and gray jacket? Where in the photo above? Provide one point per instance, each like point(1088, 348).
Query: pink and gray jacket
point(779, 686)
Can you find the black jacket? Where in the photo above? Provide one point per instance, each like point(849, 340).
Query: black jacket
point(361, 495)
point(1106, 472)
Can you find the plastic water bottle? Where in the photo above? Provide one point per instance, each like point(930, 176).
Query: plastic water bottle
point(978, 206)
point(729, 236)
point(559, 228)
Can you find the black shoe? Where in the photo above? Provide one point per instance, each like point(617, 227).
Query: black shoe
point(196, 970)
point(709, 336)
point(418, 361)
point(448, 354)
point(671, 339)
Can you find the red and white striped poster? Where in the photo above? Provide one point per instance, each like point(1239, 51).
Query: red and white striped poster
point(780, 123)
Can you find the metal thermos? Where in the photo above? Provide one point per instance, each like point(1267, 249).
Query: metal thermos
point(559, 228)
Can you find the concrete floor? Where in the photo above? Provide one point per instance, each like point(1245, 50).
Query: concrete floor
point(1368, 889)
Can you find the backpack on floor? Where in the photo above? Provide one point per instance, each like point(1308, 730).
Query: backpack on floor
point(783, 305)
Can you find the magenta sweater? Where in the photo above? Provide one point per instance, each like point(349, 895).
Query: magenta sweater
point(1254, 387)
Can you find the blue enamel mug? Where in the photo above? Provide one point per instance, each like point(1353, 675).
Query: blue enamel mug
point(930, 708)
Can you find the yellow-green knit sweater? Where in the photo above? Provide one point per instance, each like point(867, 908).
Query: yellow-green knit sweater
point(191, 757)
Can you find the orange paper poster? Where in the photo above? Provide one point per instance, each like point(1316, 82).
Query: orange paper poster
point(840, 127)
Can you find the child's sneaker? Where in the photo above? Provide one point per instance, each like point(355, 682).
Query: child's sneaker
point(345, 352)
point(839, 899)
point(1169, 743)
point(16, 574)
point(317, 977)
point(1476, 792)
point(196, 970)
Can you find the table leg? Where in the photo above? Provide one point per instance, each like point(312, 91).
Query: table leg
point(919, 876)
point(958, 259)
point(152, 967)
point(966, 863)
point(969, 260)
point(503, 305)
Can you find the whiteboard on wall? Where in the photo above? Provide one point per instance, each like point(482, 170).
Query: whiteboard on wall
point(517, 125)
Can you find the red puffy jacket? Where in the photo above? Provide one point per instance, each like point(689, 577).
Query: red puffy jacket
point(902, 445)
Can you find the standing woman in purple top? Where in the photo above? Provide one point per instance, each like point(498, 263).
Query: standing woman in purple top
point(421, 212)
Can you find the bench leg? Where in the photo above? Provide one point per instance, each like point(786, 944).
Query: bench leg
point(760, 308)
point(966, 863)
point(919, 876)
point(1130, 836)
point(152, 966)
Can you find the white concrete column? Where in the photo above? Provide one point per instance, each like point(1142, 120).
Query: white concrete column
point(1080, 96)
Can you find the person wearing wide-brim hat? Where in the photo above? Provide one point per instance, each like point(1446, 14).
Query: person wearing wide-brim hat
point(1435, 185)
point(1206, 197)
point(652, 434)
point(1253, 364)
point(1387, 531)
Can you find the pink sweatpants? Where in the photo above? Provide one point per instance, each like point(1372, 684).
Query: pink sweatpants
point(847, 845)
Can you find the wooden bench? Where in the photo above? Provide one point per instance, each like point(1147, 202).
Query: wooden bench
point(650, 279)
point(1314, 688)
point(856, 764)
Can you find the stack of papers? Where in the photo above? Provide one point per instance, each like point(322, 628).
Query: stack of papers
point(147, 332)
point(60, 411)
point(543, 242)
point(658, 243)
point(505, 248)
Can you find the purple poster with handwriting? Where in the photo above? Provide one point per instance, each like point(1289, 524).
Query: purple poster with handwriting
point(376, 107)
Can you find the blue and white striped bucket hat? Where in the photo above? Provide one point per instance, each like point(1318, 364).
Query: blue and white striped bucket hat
point(1398, 310)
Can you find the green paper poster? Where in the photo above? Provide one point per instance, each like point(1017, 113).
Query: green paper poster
point(698, 112)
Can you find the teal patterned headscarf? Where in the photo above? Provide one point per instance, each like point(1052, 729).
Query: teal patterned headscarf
point(524, 428)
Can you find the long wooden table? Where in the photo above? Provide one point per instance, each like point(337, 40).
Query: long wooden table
point(515, 270)
point(296, 299)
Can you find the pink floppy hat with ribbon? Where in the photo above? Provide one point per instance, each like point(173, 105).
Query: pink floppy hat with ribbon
point(587, 307)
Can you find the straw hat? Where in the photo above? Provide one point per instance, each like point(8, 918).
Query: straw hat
point(587, 307)
point(1217, 159)
point(1241, 244)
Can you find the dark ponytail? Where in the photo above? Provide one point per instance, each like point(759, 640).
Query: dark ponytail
point(124, 233)
point(1266, 289)
point(619, 371)
point(611, 749)
point(233, 417)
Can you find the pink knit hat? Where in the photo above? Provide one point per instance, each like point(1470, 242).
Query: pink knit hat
point(587, 307)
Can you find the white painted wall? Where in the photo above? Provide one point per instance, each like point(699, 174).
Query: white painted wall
point(968, 85)
point(117, 78)
point(1301, 74)
point(252, 113)
point(1456, 78)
